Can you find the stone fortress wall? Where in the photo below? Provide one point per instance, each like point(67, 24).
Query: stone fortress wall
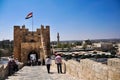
point(91, 70)
point(26, 41)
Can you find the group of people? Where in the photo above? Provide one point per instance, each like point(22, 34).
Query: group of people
point(12, 66)
point(34, 62)
point(58, 61)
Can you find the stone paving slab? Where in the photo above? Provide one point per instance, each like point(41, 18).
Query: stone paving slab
point(39, 73)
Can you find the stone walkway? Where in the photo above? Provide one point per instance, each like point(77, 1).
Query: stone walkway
point(39, 73)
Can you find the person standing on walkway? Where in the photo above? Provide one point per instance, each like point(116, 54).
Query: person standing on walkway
point(48, 63)
point(39, 61)
point(16, 64)
point(10, 67)
point(58, 61)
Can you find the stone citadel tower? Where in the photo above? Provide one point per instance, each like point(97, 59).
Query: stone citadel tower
point(28, 42)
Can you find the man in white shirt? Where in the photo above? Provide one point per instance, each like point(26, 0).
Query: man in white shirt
point(48, 63)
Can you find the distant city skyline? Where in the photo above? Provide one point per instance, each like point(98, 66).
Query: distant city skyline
point(72, 19)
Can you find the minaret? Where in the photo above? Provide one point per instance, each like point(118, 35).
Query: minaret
point(58, 39)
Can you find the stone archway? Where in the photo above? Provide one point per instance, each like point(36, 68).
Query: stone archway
point(33, 54)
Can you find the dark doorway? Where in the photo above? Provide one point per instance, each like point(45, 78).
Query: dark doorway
point(33, 55)
point(32, 58)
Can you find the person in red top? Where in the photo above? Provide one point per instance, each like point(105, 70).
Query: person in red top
point(58, 61)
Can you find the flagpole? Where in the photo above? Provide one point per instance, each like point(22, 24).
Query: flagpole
point(29, 16)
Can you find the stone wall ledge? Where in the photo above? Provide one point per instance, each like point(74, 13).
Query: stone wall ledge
point(4, 70)
point(90, 70)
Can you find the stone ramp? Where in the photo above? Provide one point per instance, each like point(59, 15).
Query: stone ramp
point(39, 73)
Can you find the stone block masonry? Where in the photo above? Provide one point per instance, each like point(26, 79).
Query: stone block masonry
point(31, 42)
point(114, 69)
point(91, 70)
point(114, 63)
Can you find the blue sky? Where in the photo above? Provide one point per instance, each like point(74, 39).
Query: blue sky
point(73, 19)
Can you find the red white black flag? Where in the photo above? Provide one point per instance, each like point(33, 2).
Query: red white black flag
point(29, 15)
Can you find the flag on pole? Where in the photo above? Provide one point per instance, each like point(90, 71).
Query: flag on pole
point(29, 15)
